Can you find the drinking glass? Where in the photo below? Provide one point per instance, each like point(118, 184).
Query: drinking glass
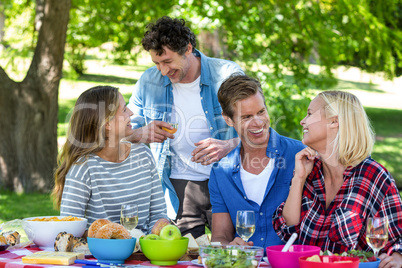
point(174, 126)
point(129, 216)
point(245, 224)
point(168, 118)
point(377, 233)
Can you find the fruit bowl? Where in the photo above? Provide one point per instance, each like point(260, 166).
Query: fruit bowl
point(231, 256)
point(111, 250)
point(45, 232)
point(330, 262)
point(279, 259)
point(164, 252)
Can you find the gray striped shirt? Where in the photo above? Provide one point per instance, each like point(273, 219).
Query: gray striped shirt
point(97, 188)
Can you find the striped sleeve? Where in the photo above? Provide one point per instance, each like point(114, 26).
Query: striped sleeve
point(77, 191)
point(157, 208)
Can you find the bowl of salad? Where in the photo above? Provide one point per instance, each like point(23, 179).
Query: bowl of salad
point(231, 256)
point(367, 259)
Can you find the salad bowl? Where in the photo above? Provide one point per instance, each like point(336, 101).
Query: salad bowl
point(231, 256)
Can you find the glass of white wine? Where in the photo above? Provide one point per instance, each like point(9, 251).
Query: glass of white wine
point(245, 224)
point(377, 233)
point(129, 216)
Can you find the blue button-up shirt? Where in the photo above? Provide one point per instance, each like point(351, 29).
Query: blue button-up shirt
point(228, 195)
point(153, 96)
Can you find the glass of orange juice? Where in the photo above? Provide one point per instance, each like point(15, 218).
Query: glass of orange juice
point(174, 126)
point(169, 118)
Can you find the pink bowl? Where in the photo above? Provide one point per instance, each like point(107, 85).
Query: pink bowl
point(330, 262)
point(279, 259)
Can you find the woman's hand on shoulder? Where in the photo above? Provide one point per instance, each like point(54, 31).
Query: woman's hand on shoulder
point(304, 162)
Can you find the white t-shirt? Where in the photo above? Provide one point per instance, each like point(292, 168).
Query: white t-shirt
point(193, 127)
point(255, 185)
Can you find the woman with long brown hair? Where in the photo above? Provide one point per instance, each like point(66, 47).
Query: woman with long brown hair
point(99, 171)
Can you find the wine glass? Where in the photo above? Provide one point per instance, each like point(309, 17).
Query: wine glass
point(377, 233)
point(129, 216)
point(245, 224)
point(169, 118)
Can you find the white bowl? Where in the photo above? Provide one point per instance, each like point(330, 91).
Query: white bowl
point(46, 231)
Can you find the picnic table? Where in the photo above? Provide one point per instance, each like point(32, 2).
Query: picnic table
point(12, 259)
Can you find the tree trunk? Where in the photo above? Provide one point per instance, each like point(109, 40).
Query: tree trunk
point(28, 109)
point(39, 13)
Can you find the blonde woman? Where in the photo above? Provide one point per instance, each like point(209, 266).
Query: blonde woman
point(336, 183)
point(98, 172)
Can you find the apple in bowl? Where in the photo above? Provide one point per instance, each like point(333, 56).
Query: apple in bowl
point(166, 248)
point(151, 237)
point(170, 232)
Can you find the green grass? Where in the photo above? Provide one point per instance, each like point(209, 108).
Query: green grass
point(19, 206)
point(387, 124)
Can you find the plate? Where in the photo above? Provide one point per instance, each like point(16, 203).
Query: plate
point(195, 262)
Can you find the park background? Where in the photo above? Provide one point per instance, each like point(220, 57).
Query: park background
point(52, 50)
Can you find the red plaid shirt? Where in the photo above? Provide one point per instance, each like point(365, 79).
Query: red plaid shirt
point(368, 190)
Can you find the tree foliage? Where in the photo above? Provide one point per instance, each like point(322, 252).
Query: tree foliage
point(119, 22)
point(287, 36)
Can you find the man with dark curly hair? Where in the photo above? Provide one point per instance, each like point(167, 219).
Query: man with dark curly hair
point(182, 88)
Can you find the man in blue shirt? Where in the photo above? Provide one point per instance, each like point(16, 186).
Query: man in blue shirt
point(182, 88)
point(257, 174)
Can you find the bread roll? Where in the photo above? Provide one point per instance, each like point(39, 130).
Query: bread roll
point(96, 225)
point(63, 242)
point(113, 231)
point(81, 247)
point(78, 240)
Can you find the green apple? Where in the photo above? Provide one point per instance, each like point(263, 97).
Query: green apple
point(152, 237)
point(170, 232)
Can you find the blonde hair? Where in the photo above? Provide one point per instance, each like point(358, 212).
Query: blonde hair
point(355, 139)
point(86, 132)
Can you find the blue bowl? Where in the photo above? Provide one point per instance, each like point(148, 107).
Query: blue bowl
point(372, 264)
point(111, 250)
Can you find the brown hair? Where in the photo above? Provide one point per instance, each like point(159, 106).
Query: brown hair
point(237, 87)
point(169, 32)
point(86, 131)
